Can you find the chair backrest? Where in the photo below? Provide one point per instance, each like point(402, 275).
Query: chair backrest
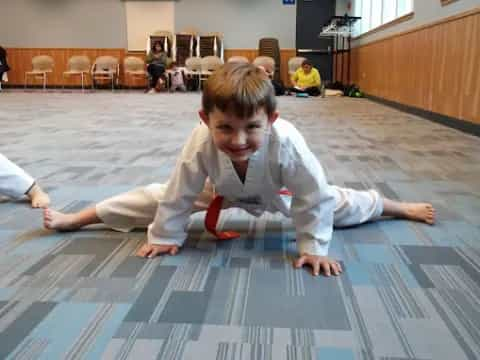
point(193, 64)
point(267, 62)
point(184, 47)
point(189, 31)
point(166, 33)
point(78, 63)
point(270, 47)
point(238, 59)
point(211, 63)
point(133, 63)
point(294, 63)
point(106, 63)
point(210, 44)
point(42, 63)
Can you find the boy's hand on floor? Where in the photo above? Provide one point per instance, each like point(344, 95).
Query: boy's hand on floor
point(324, 263)
point(151, 250)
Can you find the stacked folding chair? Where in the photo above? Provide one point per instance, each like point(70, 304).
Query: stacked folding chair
point(210, 45)
point(184, 46)
point(269, 47)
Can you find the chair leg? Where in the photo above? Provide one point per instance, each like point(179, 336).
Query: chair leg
point(81, 76)
point(44, 81)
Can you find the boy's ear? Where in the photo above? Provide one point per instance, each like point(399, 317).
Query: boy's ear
point(203, 115)
point(273, 117)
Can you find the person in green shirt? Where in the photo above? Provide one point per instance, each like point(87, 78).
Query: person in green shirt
point(306, 80)
point(157, 61)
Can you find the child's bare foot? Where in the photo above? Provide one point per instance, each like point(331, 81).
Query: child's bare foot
point(423, 212)
point(38, 198)
point(55, 220)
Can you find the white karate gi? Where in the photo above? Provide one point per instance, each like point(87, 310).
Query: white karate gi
point(283, 161)
point(14, 181)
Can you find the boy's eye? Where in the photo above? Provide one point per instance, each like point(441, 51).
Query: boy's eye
point(253, 127)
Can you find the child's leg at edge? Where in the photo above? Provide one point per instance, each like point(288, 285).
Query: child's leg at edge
point(38, 197)
point(56, 220)
point(423, 212)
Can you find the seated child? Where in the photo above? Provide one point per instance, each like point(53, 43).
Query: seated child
point(177, 79)
point(242, 155)
point(277, 85)
point(306, 80)
point(16, 183)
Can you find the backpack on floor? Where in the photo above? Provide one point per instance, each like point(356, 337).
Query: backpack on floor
point(353, 91)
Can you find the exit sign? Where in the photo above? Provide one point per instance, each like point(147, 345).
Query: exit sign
point(288, 2)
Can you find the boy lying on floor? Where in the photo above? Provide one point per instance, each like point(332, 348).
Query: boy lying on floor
point(242, 155)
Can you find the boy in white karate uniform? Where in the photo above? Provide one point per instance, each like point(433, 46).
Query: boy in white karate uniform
point(16, 183)
point(244, 153)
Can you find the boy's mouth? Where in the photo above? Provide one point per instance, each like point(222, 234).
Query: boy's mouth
point(238, 150)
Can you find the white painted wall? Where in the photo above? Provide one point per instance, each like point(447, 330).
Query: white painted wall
point(145, 17)
point(243, 22)
point(126, 24)
point(63, 23)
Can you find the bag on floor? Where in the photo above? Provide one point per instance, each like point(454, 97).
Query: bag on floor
point(353, 91)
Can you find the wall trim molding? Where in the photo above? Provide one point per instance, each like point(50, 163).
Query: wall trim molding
point(458, 124)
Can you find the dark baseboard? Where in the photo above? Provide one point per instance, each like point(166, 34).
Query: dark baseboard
point(462, 125)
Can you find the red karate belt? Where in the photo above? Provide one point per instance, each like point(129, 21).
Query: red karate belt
point(213, 213)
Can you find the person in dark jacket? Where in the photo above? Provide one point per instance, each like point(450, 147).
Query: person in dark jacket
point(3, 63)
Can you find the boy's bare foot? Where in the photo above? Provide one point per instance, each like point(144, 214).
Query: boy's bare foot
point(38, 198)
point(423, 212)
point(55, 220)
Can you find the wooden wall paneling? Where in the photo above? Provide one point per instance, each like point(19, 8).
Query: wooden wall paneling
point(471, 76)
point(425, 48)
point(335, 64)
point(20, 60)
point(435, 68)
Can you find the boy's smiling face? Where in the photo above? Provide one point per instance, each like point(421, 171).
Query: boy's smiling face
point(238, 138)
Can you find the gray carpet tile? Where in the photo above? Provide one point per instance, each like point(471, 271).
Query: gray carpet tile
point(409, 290)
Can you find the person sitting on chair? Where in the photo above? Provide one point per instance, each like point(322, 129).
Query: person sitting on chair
point(157, 60)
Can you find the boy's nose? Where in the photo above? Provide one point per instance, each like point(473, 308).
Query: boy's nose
point(239, 138)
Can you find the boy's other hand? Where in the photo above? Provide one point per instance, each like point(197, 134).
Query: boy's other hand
point(152, 250)
point(324, 263)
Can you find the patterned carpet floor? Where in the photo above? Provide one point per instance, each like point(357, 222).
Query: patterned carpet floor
point(410, 291)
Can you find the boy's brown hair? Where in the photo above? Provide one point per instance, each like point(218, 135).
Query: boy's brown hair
point(240, 89)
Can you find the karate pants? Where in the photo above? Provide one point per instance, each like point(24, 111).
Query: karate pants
point(137, 208)
point(14, 181)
